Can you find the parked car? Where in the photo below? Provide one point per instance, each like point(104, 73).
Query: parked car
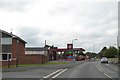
point(104, 60)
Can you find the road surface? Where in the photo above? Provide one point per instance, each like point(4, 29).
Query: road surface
point(91, 70)
point(86, 69)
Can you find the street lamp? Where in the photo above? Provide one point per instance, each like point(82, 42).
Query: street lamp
point(73, 40)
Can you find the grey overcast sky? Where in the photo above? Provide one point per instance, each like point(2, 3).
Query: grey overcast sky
point(93, 22)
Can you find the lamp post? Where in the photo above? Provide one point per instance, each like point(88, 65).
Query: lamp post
point(73, 41)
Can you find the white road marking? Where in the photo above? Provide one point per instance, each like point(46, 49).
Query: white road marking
point(98, 68)
point(102, 71)
point(59, 73)
point(53, 73)
point(107, 75)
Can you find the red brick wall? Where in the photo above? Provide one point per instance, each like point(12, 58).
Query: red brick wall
point(31, 59)
point(5, 63)
point(28, 59)
point(18, 48)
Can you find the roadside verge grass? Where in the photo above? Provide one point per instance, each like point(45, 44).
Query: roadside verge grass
point(26, 65)
point(114, 60)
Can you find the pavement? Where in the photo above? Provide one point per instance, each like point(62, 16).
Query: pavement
point(51, 66)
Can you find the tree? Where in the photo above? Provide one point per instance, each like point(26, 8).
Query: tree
point(102, 52)
point(111, 52)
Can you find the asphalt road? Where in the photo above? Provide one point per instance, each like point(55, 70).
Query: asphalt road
point(91, 69)
point(87, 69)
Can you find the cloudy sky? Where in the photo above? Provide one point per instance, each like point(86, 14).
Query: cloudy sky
point(94, 23)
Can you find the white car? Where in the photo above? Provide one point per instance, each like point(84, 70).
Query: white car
point(104, 60)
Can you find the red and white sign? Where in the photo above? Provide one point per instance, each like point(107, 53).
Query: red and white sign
point(69, 46)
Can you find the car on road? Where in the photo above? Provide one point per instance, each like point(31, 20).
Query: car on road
point(104, 60)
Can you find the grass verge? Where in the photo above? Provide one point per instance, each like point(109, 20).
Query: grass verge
point(26, 65)
point(113, 60)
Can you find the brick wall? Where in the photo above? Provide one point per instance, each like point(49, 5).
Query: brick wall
point(18, 49)
point(31, 59)
point(28, 59)
point(5, 63)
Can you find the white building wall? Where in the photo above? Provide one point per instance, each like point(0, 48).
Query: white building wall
point(36, 52)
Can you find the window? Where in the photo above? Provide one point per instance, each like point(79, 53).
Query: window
point(5, 56)
point(6, 40)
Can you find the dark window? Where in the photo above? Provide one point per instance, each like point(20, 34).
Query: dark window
point(4, 56)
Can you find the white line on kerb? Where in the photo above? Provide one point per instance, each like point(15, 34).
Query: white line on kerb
point(53, 73)
point(59, 73)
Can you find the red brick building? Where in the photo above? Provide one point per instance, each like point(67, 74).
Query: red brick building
point(13, 51)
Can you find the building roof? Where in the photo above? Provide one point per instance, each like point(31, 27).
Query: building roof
point(13, 36)
point(65, 49)
point(79, 49)
point(18, 38)
point(2, 31)
point(36, 49)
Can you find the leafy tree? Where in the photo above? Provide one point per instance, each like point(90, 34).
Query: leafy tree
point(110, 52)
point(102, 52)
